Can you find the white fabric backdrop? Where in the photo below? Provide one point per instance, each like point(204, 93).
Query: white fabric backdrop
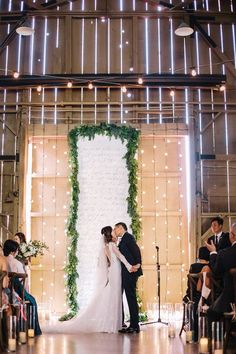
point(103, 182)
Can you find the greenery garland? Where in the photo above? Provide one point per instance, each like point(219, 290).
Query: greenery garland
point(125, 134)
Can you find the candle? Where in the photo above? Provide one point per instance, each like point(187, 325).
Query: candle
point(171, 331)
point(218, 351)
point(12, 344)
point(47, 317)
point(189, 336)
point(203, 345)
point(31, 333)
point(22, 337)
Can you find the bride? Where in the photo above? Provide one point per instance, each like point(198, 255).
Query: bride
point(104, 311)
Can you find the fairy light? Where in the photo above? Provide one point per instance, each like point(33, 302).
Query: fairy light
point(140, 80)
point(90, 86)
point(16, 74)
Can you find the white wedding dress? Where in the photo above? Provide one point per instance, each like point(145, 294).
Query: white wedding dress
point(104, 311)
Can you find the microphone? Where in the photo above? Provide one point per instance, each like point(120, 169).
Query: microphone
point(157, 248)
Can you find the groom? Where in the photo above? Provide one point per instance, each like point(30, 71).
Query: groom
point(130, 250)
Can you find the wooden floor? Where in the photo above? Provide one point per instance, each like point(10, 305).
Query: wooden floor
point(153, 339)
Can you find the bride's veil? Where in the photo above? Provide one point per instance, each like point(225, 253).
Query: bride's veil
point(102, 267)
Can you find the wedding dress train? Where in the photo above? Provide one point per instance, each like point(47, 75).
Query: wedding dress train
point(104, 311)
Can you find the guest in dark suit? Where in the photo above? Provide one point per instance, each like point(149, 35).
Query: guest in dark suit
point(220, 238)
point(220, 264)
point(129, 248)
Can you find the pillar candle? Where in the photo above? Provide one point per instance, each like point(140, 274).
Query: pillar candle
point(31, 333)
point(203, 345)
point(22, 337)
point(12, 344)
point(171, 332)
point(189, 336)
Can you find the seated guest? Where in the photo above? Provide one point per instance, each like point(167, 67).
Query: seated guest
point(10, 249)
point(220, 238)
point(220, 264)
point(3, 268)
point(195, 268)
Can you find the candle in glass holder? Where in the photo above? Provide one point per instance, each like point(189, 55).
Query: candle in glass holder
point(22, 337)
point(189, 336)
point(47, 316)
point(203, 345)
point(171, 331)
point(12, 344)
point(30, 333)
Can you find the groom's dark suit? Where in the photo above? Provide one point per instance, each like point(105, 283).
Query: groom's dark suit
point(129, 248)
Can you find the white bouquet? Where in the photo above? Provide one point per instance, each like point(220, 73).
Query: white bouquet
point(32, 249)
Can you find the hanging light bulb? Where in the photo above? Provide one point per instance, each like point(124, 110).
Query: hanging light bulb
point(69, 84)
point(140, 81)
point(124, 89)
point(90, 86)
point(222, 88)
point(193, 71)
point(172, 93)
point(16, 74)
point(39, 88)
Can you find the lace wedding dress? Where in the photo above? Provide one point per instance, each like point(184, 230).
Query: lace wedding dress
point(104, 311)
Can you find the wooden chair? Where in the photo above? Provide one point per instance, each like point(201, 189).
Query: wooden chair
point(2, 276)
point(192, 284)
point(13, 309)
point(216, 286)
point(21, 276)
point(229, 319)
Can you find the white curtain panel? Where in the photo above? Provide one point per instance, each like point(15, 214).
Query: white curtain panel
point(103, 183)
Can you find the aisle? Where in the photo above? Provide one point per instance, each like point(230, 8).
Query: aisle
point(152, 339)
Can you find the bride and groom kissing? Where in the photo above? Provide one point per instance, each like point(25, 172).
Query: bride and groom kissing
point(118, 270)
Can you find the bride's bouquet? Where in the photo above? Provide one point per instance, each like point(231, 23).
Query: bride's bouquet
point(32, 249)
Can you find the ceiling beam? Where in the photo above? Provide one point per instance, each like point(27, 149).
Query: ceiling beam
point(215, 48)
point(219, 17)
point(51, 4)
point(30, 5)
point(9, 38)
point(114, 80)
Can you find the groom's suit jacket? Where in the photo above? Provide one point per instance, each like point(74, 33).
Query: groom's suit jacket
point(129, 248)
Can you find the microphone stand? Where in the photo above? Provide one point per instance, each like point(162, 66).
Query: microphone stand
point(158, 292)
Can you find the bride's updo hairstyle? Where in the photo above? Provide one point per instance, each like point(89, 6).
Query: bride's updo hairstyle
point(106, 232)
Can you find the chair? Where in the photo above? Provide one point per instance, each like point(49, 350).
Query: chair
point(192, 284)
point(12, 276)
point(13, 309)
point(230, 318)
point(2, 276)
point(216, 285)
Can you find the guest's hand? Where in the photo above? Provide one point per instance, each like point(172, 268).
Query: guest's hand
point(211, 247)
